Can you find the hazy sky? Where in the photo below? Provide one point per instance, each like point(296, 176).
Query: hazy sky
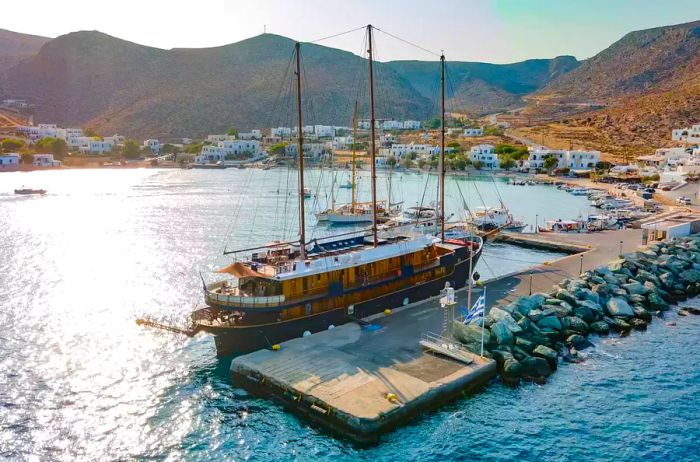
point(470, 30)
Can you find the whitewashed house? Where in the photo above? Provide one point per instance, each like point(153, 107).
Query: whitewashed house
point(486, 155)
point(95, 146)
point(392, 125)
point(473, 132)
point(45, 160)
point(582, 159)
point(282, 132)
point(117, 140)
point(411, 125)
point(688, 135)
point(251, 135)
point(537, 156)
point(9, 161)
point(324, 131)
point(421, 150)
point(153, 145)
point(210, 155)
point(311, 150)
point(241, 147)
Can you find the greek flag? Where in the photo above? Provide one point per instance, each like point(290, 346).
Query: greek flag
point(477, 310)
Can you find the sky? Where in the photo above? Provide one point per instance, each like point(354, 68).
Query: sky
point(497, 31)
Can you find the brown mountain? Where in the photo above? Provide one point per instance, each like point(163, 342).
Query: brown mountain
point(647, 83)
point(15, 46)
point(92, 79)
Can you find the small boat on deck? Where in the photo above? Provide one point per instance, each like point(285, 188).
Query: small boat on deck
point(346, 185)
point(563, 226)
point(29, 191)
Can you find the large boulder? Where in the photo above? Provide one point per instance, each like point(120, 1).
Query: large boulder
point(657, 303)
point(586, 294)
point(575, 324)
point(526, 304)
point(617, 324)
point(578, 341)
point(470, 335)
point(519, 353)
point(567, 297)
point(618, 307)
point(535, 368)
point(548, 354)
point(498, 315)
point(648, 276)
point(511, 371)
point(635, 288)
point(690, 276)
point(549, 322)
point(638, 324)
point(641, 313)
point(586, 313)
point(535, 315)
point(525, 344)
point(600, 328)
point(502, 333)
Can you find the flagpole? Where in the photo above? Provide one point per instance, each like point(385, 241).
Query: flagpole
point(483, 316)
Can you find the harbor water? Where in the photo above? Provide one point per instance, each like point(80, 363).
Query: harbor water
point(79, 379)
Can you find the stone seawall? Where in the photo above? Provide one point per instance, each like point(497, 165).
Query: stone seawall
point(529, 337)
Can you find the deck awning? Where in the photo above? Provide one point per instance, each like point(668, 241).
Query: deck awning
point(240, 270)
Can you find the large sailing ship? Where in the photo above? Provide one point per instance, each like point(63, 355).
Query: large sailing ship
point(284, 290)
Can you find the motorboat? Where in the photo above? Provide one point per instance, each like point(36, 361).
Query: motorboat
point(564, 226)
point(29, 191)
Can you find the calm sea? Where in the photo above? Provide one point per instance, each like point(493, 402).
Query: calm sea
point(79, 380)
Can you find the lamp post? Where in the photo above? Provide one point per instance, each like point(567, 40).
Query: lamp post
point(537, 230)
point(580, 270)
point(531, 282)
point(620, 249)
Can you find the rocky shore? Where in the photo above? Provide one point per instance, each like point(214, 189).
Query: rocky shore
point(529, 337)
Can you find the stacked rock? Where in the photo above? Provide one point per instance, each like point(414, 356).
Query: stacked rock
point(528, 337)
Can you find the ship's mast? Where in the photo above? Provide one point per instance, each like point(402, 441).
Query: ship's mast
point(442, 147)
point(300, 147)
point(372, 141)
point(354, 141)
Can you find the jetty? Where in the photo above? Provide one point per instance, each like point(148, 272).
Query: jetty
point(363, 379)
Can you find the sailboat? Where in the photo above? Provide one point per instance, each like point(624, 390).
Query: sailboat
point(282, 290)
point(356, 212)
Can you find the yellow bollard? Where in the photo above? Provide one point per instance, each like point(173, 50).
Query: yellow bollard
point(387, 311)
point(276, 347)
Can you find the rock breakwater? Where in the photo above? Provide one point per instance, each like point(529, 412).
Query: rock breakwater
point(529, 337)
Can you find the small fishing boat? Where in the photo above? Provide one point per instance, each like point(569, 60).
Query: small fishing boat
point(579, 192)
point(28, 191)
point(488, 218)
point(563, 226)
point(346, 185)
point(307, 193)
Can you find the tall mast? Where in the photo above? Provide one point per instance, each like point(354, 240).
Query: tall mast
point(372, 142)
point(442, 147)
point(300, 147)
point(354, 141)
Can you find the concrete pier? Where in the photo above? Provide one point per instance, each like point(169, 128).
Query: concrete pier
point(361, 382)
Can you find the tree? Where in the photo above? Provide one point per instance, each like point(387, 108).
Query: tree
point(90, 132)
point(411, 156)
point(422, 163)
point(233, 131)
point(131, 150)
point(507, 163)
point(12, 145)
point(167, 148)
point(492, 131)
point(194, 148)
point(455, 146)
point(478, 165)
point(434, 162)
point(277, 149)
point(550, 163)
point(27, 158)
point(391, 161)
point(460, 163)
point(406, 162)
point(56, 146)
point(603, 165)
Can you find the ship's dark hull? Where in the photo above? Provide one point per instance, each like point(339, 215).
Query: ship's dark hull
point(245, 339)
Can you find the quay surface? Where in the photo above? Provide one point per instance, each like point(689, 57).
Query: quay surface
point(361, 382)
point(342, 379)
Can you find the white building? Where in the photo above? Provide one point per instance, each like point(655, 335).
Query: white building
point(324, 131)
point(582, 159)
point(411, 125)
point(251, 135)
point(95, 146)
point(473, 132)
point(400, 150)
point(117, 140)
point(153, 145)
point(282, 132)
point(210, 155)
point(392, 125)
point(688, 135)
point(45, 160)
point(486, 155)
point(312, 150)
point(537, 156)
point(9, 160)
point(240, 147)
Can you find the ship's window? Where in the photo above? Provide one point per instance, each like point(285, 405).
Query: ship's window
point(308, 308)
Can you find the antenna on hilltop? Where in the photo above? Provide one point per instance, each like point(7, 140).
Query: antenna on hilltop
point(264, 28)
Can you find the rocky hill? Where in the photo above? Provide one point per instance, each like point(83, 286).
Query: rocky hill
point(91, 79)
point(15, 47)
point(645, 84)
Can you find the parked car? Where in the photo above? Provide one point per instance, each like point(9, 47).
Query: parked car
point(683, 200)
